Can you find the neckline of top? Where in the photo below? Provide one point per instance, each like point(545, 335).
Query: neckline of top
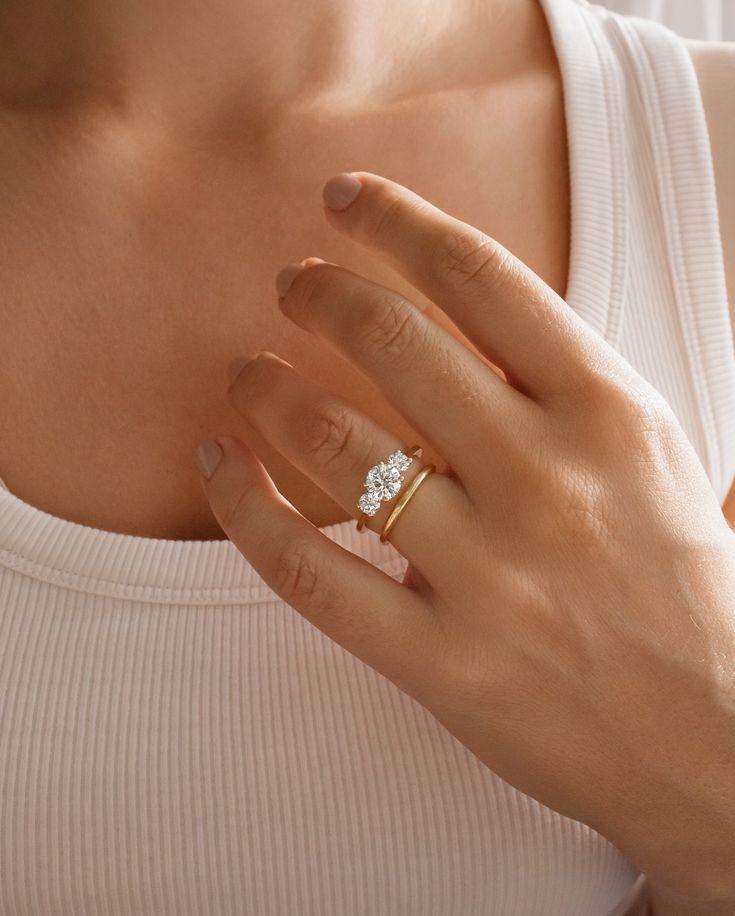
point(159, 570)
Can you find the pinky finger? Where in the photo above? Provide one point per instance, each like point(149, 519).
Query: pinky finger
point(353, 602)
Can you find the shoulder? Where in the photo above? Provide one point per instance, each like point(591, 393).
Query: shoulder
point(714, 64)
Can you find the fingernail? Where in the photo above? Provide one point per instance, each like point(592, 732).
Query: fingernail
point(285, 278)
point(209, 455)
point(340, 191)
point(236, 366)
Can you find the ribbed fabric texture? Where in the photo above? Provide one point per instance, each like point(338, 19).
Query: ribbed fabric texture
point(175, 740)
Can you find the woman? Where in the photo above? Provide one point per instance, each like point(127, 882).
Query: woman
point(520, 702)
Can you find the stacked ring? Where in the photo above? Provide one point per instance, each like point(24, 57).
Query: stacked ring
point(399, 506)
point(384, 481)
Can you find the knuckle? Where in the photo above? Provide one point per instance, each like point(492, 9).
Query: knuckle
point(235, 508)
point(646, 411)
point(632, 412)
point(594, 391)
point(330, 433)
point(297, 574)
point(390, 212)
point(393, 212)
point(391, 331)
point(603, 393)
point(649, 428)
point(464, 258)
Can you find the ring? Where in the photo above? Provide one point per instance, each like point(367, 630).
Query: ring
point(401, 504)
point(383, 482)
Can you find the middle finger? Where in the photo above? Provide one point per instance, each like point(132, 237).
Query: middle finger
point(444, 390)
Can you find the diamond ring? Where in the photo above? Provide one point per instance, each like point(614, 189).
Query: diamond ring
point(383, 481)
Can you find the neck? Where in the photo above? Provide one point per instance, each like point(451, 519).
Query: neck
point(182, 59)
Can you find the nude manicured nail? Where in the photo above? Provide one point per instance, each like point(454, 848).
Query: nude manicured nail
point(340, 191)
point(209, 455)
point(286, 276)
point(237, 365)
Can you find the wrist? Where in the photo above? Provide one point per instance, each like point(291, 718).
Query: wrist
point(683, 837)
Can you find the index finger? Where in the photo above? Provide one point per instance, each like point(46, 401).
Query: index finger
point(499, 303)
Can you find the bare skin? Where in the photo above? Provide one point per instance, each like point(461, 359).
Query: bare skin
point(141, 240)
point(151, 192)
point(157, 171)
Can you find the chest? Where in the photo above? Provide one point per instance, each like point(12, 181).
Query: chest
point(134, 269)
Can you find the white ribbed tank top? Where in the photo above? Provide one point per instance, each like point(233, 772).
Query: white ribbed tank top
point(175, 740)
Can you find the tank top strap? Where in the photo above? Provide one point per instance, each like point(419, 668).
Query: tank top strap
point(642, 164)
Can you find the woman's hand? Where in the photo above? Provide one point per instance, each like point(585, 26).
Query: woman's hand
point(569, 607)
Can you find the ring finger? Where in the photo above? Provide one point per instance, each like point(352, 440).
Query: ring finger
point(335, 445)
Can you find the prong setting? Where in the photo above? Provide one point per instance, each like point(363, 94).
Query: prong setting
point(383, 481)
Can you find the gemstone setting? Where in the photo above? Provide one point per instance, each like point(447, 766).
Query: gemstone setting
point(369, 503)
point(383, 481)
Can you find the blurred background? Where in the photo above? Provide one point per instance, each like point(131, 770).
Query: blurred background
point(708, 19)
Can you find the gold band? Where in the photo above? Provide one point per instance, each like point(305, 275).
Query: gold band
point(404, 498)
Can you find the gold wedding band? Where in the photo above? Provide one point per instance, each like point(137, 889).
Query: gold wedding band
point(403, 501)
